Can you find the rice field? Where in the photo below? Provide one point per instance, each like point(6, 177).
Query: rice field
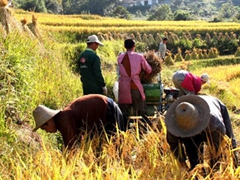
point(87, 24)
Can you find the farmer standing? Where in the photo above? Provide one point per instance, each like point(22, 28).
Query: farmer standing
point(163, 48)
point(188, 83)
point(131, 94)
point(88, 113)
point(192, 120)
point(90, 68)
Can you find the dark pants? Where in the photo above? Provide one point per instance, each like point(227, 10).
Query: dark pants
point(194, 148)
point(114, 118)
point(138, 105)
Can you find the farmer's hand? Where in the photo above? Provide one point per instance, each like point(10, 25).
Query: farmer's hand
point(104, 90)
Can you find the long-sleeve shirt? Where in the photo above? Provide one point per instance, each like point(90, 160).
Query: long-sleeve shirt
point(219, 124)
point(126, 81)
point(85, 113)
point(192, 83)
point(91, 74)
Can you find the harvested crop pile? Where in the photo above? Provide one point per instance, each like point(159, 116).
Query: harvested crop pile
point(156, 63)
point(7, 21)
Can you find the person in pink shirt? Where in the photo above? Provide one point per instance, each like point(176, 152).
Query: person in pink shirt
point(188, 83)
point(131, 93)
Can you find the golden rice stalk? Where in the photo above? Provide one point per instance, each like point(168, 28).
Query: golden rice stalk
point(138, 37)
point(34, 19)
point(3, 3)
point(155, 62)
point(237, 53)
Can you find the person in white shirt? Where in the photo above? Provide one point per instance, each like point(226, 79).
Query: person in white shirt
point(163, 48)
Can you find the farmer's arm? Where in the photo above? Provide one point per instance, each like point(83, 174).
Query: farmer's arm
point(146, 67)
point(69, 133)
point(177, 148)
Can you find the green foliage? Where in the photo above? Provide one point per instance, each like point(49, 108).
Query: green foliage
point(53, 6)
point(220, 61)
point(198, 43)
point(185, 44)
point(140, 47)
point(162, 12)
point(181, 15)
point(121, 12)
point(34, 5)
point(227, 10)
point(71, 53)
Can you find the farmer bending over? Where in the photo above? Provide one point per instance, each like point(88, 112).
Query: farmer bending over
point(188, 83)
point(86, 113)
point(192, 120)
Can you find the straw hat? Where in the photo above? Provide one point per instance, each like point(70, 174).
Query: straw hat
point(94, 38)
point(187, 116)
point(42, 114)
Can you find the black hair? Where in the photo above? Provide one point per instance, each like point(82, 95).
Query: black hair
point(129, 43)
point(165, 39)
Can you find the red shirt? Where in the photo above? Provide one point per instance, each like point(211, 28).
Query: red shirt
point(85, 113)
point(192, 83)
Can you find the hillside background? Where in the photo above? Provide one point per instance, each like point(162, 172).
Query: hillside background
point(38, 53)
point(210, 10)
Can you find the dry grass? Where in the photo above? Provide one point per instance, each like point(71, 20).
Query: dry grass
point(129, 156)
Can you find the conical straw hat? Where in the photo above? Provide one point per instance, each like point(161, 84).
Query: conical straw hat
point(42, 114)
point(187, 116)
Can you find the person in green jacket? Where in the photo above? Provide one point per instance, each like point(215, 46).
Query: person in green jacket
point(90, 68)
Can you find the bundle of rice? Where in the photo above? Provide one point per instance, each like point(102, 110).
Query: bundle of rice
point(156, 63)
point(3, 3)
point(7, 20)
point(178, 57)
point(169, 60)
point(237, 53)
point(34, 27)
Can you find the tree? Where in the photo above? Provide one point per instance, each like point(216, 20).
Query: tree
point(227, 10)
point(238, 16)
point(34, 5)
point(98, 7)
point(121, 12)
point(53, 6)
point(74, 6)
point(181, 15)
point(162, 12)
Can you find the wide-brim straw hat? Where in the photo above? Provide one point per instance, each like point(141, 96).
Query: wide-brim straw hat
point(187, 116)
point(43, 114)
